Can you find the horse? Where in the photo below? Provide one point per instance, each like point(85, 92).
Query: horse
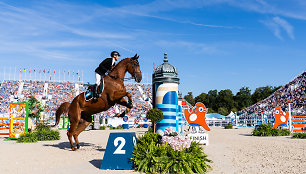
point(80, 110)
point(61, 110)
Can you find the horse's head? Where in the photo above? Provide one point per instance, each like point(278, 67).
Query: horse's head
point(134, 68)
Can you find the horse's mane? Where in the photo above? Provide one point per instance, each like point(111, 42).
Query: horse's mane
point(119, 63)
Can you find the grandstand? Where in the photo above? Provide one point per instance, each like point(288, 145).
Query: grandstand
point(295, 90)
point(52, 94)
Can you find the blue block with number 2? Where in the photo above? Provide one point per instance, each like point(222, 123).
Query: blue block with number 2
point(119, 151)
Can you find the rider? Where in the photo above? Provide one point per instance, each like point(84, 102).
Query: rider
point(105, 66)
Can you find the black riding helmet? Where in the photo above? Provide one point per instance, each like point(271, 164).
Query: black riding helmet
point(114, 53)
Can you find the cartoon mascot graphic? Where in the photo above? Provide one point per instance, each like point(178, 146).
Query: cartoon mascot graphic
point(280, 117)
point(196, 116)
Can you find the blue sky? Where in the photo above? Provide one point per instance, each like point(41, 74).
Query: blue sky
point(215, 44)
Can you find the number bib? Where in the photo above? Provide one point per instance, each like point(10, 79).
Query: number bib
point(119, 151)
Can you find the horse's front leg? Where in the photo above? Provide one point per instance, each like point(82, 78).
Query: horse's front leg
point(120, 95)
point(130, 103)
point(123, 102)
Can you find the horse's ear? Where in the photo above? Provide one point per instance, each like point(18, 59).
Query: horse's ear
point(135, 57)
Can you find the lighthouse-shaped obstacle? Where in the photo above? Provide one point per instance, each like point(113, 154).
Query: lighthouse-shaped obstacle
point(165, 83)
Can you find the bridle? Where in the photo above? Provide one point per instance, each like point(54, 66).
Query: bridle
point(135, 63)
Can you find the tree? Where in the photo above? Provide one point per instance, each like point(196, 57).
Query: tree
point(35, 107)
point(212, 98)
point(225, 100)
point(243, 98)
point(155, 115)
point(223, 111)
point(203, 98)
point(189, 98)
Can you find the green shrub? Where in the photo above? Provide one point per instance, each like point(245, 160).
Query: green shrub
point(299, 135)
point(119, 127)
point(152, 157)
point(43, 133)
point(267, 130)
point(42, 126)
point(150, 129)
point(155, 115)
point(27, 138)
point(102, 127)
point(285, 132)
point(228, 126)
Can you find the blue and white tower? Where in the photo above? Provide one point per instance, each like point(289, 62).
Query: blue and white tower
point(165, 95)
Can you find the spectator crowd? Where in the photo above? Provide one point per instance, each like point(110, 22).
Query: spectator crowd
point(294, 91)
point(53, 94)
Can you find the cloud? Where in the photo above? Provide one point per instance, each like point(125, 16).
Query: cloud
point(285, 25)
point(295, 9)
point(198, 48)
point(277, 24)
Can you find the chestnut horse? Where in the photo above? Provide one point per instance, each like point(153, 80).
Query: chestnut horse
point(80, 110)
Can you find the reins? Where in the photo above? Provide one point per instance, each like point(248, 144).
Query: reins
point(125, 79)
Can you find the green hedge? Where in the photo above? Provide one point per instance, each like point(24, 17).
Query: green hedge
point(299, 135)
point(118, 127)
point(152, 157)
point(42, 133)
point(29, 137)
point(267, 130)
point(228, 126)
point(102, 127)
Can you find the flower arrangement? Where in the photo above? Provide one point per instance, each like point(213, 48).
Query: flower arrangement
point(176, 140)
point(154, 155)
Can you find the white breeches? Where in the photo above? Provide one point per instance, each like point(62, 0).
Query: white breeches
point(98, 79)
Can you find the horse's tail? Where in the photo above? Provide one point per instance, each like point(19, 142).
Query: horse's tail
point(62, 109)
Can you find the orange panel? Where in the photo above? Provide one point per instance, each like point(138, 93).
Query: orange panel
point(299, 121)
point(299, 125)
point(299, 116)
point(299, 130)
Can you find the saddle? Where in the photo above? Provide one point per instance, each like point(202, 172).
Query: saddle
point(90, 92)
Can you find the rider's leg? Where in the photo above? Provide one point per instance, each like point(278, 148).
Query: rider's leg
point(98, 80)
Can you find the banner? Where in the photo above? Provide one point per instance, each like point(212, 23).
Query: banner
point(18, 119)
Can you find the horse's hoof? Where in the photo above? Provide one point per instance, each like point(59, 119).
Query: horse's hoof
point(78, 146)
point(122, 115)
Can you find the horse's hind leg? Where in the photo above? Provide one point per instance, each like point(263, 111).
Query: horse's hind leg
point(74, 118)
point(82, 125)
point(71, 132)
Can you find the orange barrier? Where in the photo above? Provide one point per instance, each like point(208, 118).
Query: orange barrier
point(4, 125)
point(17, 123)
point(299, 123)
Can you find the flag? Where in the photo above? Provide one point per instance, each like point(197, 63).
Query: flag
point(30, 70)
point(20, 70)
point(34, 70)
point(54, 71)
point(23, 69)
point(44, 71)
point(153, 66)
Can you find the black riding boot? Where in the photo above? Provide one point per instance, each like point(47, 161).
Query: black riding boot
point(95, 92)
